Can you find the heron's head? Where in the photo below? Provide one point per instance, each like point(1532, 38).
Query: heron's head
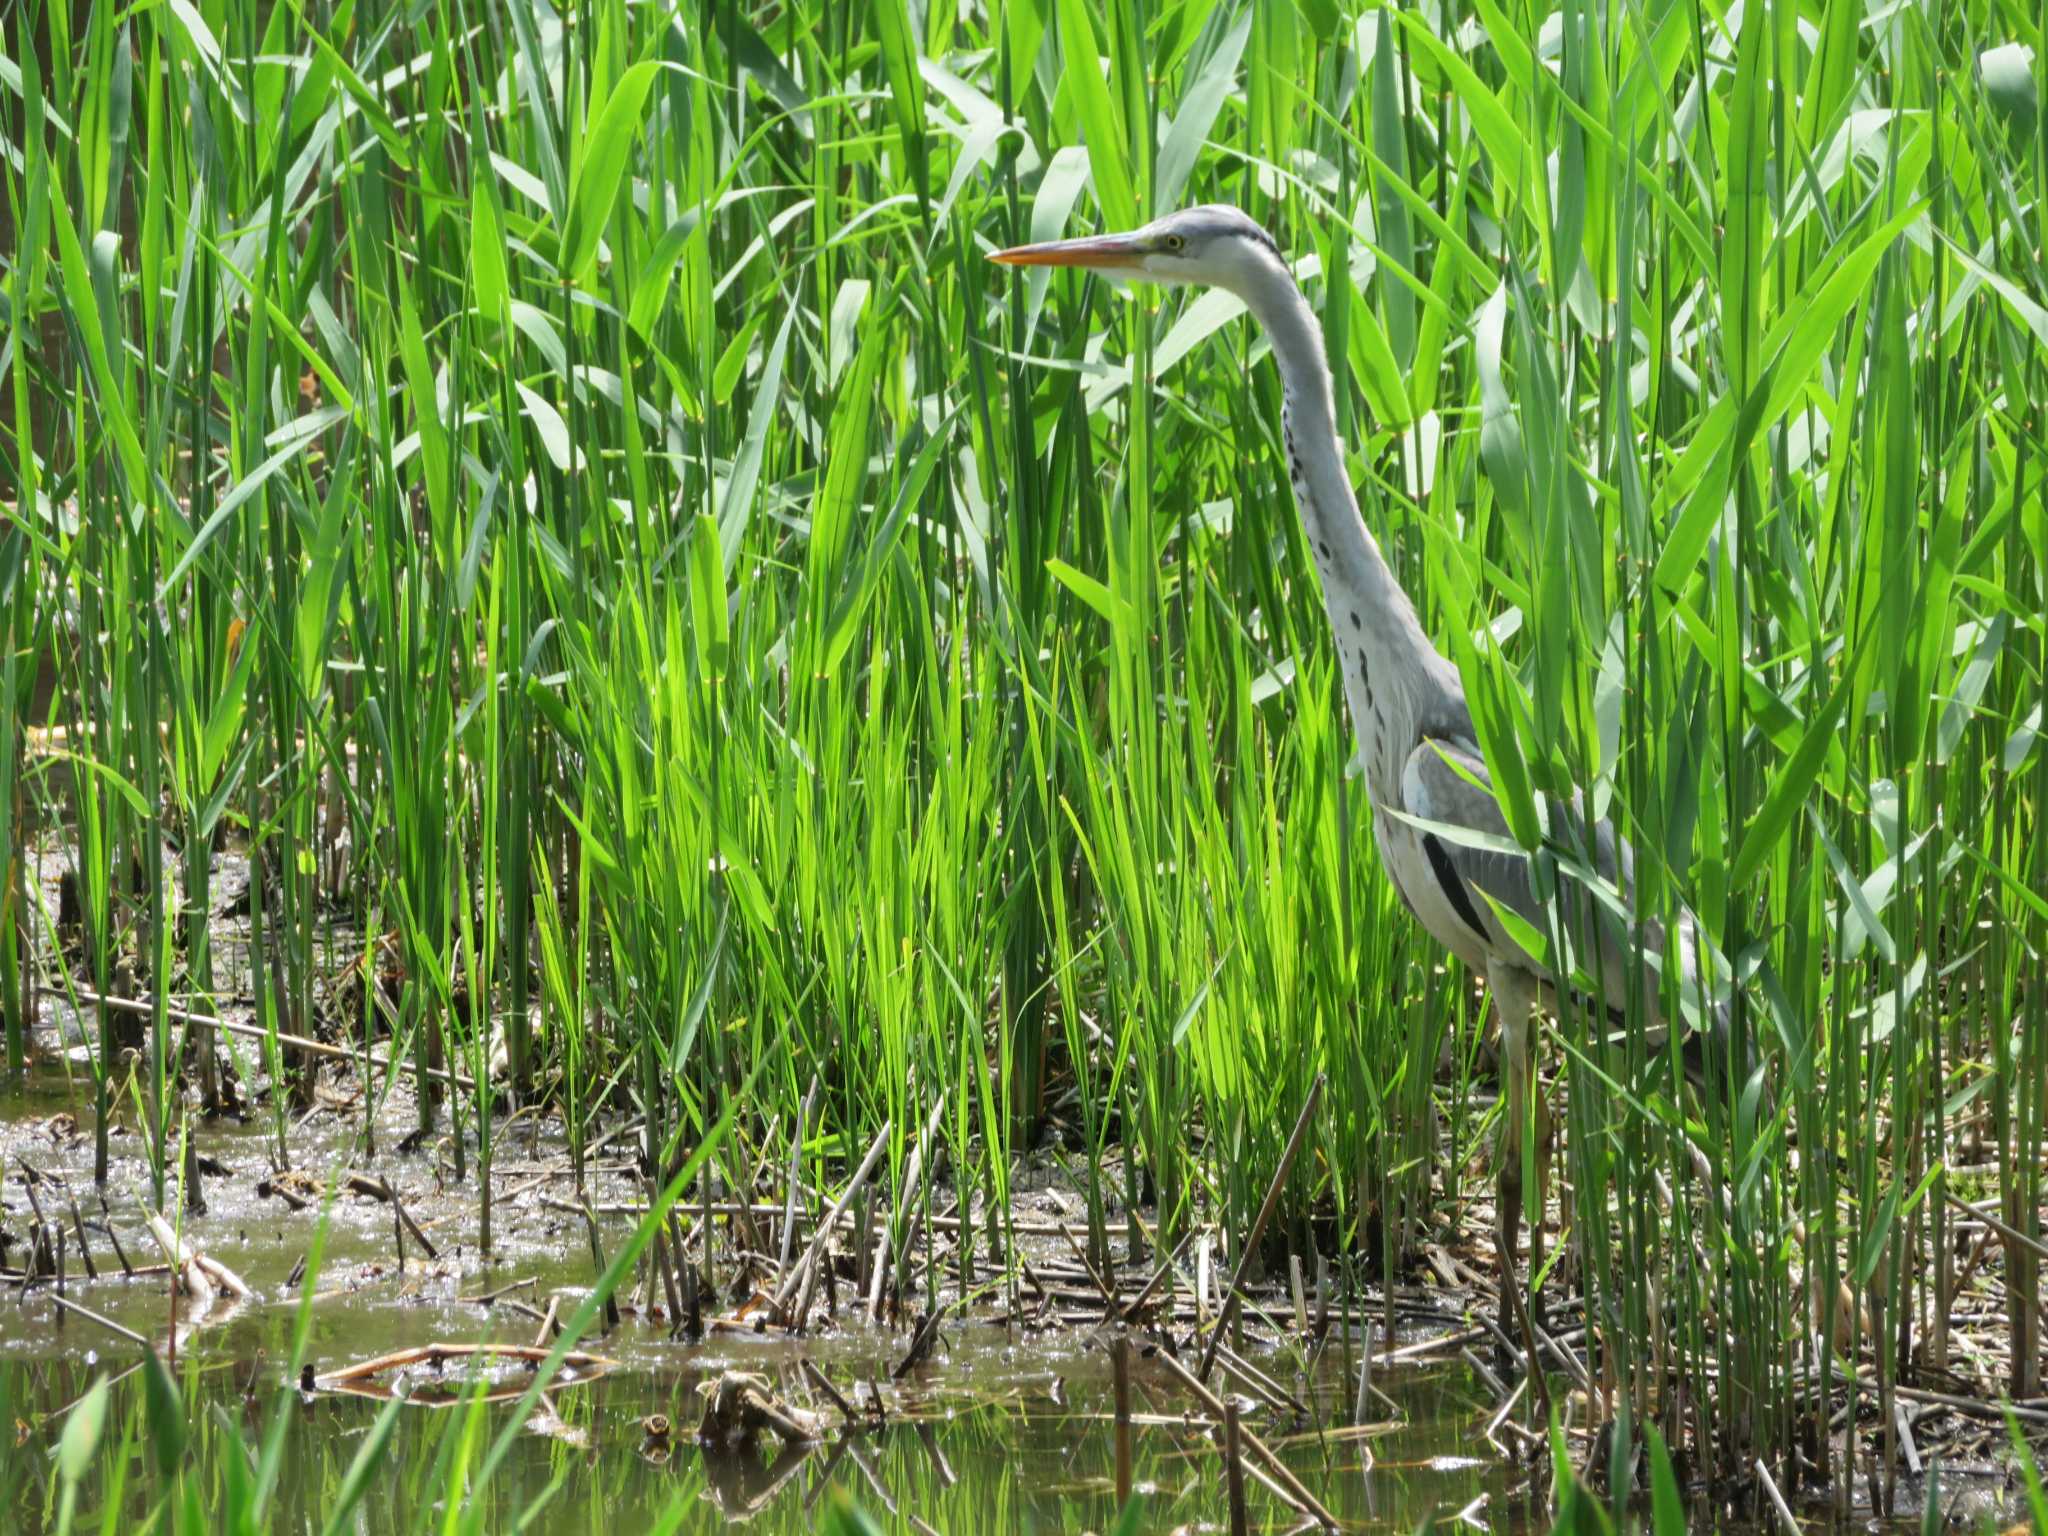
point(1214, 246)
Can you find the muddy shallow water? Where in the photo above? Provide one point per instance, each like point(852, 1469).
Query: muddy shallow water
point(1008, 1440)
point(1001, 1429)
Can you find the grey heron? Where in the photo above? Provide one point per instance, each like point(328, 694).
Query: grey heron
point(1424, 772)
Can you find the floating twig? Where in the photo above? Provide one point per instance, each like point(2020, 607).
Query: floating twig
point(739, 1405)
point(200, 1274)
point(487, 1297)
point(438, 1354)
point(105, 1322)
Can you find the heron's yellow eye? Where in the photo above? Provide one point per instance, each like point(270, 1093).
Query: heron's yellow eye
point(1175, 243)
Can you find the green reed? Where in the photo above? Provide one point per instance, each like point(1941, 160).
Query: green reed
point(567, 487)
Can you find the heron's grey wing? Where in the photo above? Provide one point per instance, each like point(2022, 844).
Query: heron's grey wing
point(1446, 781)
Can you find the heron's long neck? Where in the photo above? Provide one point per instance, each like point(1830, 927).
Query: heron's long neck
point(1393, 677)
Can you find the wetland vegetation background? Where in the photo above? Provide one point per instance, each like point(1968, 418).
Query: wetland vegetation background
point(562, 494)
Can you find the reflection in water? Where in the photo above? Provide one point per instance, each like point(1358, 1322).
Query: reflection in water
point(741, 1484)
point(1007, 1435)
point(1000, 1430)
point(981, 1446)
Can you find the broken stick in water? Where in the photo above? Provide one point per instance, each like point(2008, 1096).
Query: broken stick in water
point(1120, 1369)
point(1251, 1242)
point(1233, 1468)
point(793, 1297)
point(1292, 1487)
point(439, 1354)
point(201, 1276)
point(739, 1405)
point(105, 1322)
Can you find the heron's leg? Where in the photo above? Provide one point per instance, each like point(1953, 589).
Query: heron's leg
point(1546, 1143)
point(1514, 1001)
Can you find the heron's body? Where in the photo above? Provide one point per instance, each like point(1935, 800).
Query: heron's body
point(1419, 750)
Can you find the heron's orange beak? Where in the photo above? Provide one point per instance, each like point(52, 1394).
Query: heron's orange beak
point(1107, 253)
